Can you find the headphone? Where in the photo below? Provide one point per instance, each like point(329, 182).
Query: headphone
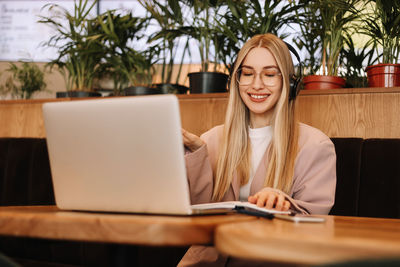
point(294, 80)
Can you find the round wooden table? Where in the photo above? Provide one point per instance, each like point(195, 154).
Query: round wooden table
point(337, 239)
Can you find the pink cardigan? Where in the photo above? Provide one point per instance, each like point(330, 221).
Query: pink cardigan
point(314, 182)
point(313, 189)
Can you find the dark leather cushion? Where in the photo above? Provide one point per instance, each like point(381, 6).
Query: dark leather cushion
point(380, 179)
point(25, 177)
point(348, 163)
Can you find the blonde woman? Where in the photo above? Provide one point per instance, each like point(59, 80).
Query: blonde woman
point(261, 154)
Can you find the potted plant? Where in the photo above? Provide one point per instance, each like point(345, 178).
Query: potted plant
point(335, 19)
point(79, 54)
point(140, 78)
point(165, 41)
point(202, 29)
point(353, 59)
point(383, 27)
point(25, 80)
point(131, 70)
point(309, 37)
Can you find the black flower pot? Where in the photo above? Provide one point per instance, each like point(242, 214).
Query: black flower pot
point(77, 94)
point(172, 88)
point(141, 90)
point(207, 82)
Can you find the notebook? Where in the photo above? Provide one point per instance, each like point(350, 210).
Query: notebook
point(121, 155)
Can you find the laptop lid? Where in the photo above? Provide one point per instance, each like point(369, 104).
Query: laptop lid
point(118, 155)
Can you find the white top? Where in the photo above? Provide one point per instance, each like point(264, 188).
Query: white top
point(259, 141)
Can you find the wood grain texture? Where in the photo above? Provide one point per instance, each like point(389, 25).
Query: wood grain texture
point(363, 112)
point(201, 114)
point(23, 118)
point(338, 239)
point(366, 115)
point(50, 222)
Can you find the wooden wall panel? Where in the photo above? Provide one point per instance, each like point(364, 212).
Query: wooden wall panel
point(24, 118)
point(21, 120)
point(201, 114)
point(366, 113)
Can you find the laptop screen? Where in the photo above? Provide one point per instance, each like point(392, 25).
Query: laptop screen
point(118, 154)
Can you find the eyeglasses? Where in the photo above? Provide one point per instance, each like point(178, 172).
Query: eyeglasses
point(269, 76)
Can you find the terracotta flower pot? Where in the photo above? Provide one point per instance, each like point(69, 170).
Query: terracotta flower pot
point(320, 82)
point(383, 75)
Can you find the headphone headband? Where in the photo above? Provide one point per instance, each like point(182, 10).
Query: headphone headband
point(295, 80)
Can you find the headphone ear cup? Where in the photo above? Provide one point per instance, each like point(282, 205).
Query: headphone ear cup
point(294, 87)
point(294, 81)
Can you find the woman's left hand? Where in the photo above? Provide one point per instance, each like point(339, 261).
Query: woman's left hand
point(270, 199)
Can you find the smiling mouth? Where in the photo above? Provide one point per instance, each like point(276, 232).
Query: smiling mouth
point(258, 96)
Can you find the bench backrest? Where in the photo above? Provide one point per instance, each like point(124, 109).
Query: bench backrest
point(25, 177)
point(368, 175)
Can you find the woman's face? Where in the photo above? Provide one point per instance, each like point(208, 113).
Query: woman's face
point(260, 84)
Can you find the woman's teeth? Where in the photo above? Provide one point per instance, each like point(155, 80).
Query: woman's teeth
point(259, 96)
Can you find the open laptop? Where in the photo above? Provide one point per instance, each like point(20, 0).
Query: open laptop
point(120, 155)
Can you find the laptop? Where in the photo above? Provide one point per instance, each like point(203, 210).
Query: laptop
point(120, 155)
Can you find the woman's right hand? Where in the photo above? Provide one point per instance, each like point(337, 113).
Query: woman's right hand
point(191, 141)
point(270, 199)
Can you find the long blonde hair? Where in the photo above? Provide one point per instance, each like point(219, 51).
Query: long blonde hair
point(234, 151)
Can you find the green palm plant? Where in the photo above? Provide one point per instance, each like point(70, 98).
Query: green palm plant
point(24, 80)
point(79, 54)
point(353, 60)
point(382, 25)
point(169, 18)
point(199, 26)
point(330, 21)
point(126, 65)
point(309, 37)
point(245, 19)
point(202, 27)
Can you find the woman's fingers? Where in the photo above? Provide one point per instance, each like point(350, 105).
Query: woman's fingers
point(270, 200)
point(286, 205)
point(262, 198)
point(252, 199)
point(279, 202)
point(185, 135)
point(191, 141)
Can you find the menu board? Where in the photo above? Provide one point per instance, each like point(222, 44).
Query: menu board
point(20, 34)
point(22, 37)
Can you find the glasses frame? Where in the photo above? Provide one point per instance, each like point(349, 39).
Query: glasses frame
point(239, 72)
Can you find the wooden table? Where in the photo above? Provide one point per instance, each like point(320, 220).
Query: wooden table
point(51, 223)
point(338, 239)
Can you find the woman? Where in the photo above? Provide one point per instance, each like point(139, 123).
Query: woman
point(261, 154)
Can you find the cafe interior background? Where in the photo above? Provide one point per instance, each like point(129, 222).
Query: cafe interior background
point(164, 41)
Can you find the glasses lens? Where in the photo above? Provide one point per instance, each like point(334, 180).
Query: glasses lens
point(245, 76)
point(269, 76)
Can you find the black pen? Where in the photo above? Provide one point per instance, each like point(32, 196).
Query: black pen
point(249, 211)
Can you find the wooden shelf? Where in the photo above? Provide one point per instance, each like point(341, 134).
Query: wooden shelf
point(349, 112)
point(369, 90)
